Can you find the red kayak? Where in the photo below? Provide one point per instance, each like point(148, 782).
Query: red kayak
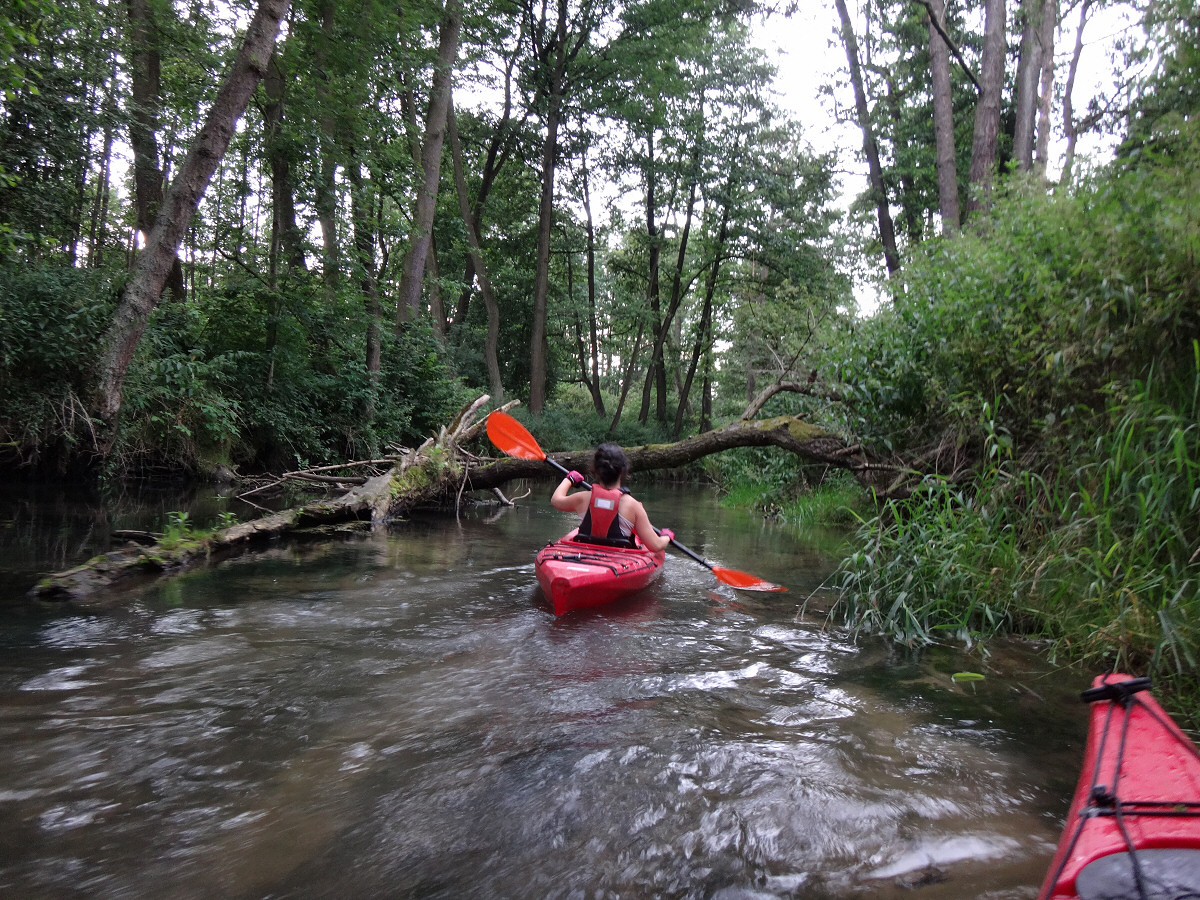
point(1133, 831)
point(577, 574)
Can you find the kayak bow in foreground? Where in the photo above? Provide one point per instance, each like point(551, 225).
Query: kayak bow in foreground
point(1133, 830)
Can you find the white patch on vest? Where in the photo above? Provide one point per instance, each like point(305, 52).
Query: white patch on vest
point(604, 503)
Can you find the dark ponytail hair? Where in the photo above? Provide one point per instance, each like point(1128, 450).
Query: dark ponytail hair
point(609, 464)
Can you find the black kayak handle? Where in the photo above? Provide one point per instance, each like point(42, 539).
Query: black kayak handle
point(1118, 691)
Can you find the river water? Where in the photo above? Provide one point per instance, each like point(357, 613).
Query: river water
point(403, 716)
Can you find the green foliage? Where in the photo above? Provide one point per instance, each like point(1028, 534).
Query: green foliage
point(1099, 554)
point(834, 501)
point(1079, 314)
point(1170, 96)
point(1049, 302)
point(179, 531)
point(50, 92)
point(179, 403)
point(938, 565)
point(51, 321)
point(203, 388)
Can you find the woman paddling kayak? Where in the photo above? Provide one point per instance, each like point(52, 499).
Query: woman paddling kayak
point(609, 515)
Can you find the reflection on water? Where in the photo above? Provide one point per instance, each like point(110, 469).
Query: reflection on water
point(403, 716)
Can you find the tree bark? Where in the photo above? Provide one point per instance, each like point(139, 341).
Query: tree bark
point(1029, 74)
point(653, 286)
point(283, 199)
point(491, 345)
point(154, 264)
point(541, 283)
point(500, 147)
point(887, 229)
point(555, 54)
point(326, 187)
point(431, 163)
point(1069, 123)
point(362, 202)
point(704, 330)
point(593, 339)
point(987, 109)
point(938, 21)
point(943, 118)
point(673, 303)
point(1049, 25)
point(627, 381)
point(98, 231)
point(145, 80)
point(786, 432)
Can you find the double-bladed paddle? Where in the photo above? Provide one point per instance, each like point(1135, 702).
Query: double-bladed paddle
point(514, 439)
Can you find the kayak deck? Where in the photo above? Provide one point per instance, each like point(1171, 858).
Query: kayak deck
point(1133, 830)
point(576, 574)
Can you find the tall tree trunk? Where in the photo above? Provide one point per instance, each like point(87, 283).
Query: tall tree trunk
point(676, 298)
point(628, 379)
point(541, 286)
point(145, 79)
point(987, 108)
point(362, 203)
point(492, 342)
point(98, 232)
point(1029, 74)
point(1070, 126)
point(154, 264)
point(1049, 25)
point(593, 342)
point(326, 186)
point(431, 164)
point(652, 283)
point(283, 201)
point(887, 229)
point(556, 54)
point(704, 331)
point(943, 118)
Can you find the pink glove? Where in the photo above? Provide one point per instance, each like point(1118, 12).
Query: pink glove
point(575, 477)
point(668, 534)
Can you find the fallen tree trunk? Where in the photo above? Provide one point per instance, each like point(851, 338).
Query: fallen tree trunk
point(439, 473)
point(361, 508)
point(786, 432)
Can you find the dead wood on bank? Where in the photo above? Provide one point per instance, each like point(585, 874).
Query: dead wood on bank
point(439, 473)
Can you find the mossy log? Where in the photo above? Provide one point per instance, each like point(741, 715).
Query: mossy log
point(438, 473)
point(786, 432)
point(362, 507)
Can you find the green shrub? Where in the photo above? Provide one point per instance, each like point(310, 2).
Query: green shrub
point(51, 323)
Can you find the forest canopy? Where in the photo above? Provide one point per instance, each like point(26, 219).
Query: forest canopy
point(413, 204)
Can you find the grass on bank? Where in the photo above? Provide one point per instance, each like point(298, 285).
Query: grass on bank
point(1099, 554)
point(836, 502)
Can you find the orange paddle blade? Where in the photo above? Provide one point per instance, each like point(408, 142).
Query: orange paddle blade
point(744, 580)
point(512, 437)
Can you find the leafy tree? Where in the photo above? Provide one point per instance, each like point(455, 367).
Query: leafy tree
point(155, 262)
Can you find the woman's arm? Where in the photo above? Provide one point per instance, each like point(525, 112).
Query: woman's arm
point(567, 502)
point(645, 531)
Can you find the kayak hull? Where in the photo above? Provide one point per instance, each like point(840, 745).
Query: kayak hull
point(576, 575)
point(1133, 829)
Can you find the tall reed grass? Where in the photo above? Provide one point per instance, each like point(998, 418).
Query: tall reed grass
point(1099, 552)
